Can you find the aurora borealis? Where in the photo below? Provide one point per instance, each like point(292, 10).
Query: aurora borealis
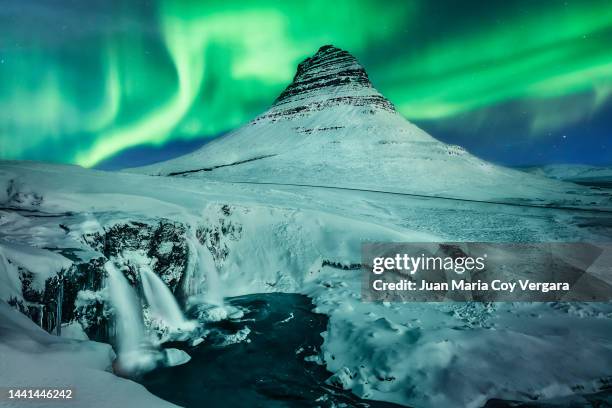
point(82, 82)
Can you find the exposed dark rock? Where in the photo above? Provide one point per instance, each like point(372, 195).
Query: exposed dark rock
point(163, 242)
point(341, 265)
point(215, 235)
point(370, 103)
point(330, 77)
point(186, 172)
point(330, 67)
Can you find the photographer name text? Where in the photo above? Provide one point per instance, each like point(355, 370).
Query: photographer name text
point(476, 286)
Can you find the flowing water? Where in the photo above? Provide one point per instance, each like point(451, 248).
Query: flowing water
point(268, 370)
point(130, 332)
point(161, 300)
point(204, 272)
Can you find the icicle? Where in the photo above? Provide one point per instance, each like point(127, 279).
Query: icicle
point(58, 306)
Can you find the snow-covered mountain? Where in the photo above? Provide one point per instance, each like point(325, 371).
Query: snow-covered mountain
point(331, 127)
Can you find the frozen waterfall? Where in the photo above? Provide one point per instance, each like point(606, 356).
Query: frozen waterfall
point(203, 284)
point(136, 352)
point(206, 266)
point(128, 312)
point(161, 300)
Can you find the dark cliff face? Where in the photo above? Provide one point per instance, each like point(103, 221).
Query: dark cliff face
point(326, 70)
point(330, 77)
point(163, 242)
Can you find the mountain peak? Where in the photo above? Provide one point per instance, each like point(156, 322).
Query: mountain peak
point(332, 73)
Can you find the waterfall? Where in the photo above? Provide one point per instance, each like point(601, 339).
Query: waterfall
point(205, 269)
point(128, 313)
point(161, 300)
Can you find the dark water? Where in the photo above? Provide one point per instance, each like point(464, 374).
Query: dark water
point(267, 372)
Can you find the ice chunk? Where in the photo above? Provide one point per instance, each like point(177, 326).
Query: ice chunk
point(174, 357)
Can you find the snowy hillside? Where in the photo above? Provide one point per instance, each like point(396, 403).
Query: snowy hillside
point(331, 127)
point(576, 173)
point(110, 236)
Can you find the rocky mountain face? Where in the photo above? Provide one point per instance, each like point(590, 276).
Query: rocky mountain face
point(328, 78)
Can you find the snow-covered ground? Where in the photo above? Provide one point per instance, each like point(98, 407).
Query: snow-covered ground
point(415, 354)
point(32, 358)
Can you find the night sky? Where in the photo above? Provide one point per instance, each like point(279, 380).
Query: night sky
point(110, 84)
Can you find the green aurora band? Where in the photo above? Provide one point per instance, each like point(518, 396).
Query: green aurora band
point(191, 69)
